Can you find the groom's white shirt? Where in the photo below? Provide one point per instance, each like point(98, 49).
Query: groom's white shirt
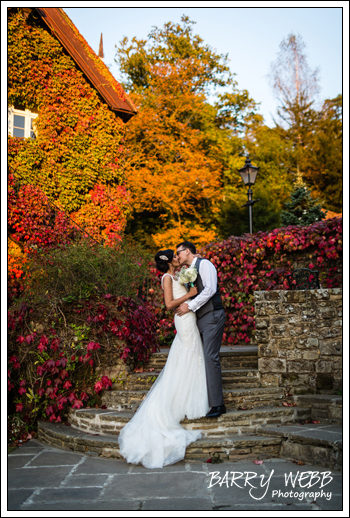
point(210, 280)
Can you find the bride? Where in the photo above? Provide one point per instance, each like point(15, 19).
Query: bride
point(154, 436)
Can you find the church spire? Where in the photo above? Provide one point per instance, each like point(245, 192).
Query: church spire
point(100, 48)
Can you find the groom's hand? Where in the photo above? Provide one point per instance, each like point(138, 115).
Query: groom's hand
point(183, 309)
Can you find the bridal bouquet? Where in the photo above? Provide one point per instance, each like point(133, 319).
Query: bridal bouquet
point(188, 275)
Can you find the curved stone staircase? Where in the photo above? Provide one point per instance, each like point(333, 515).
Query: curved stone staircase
point(256, 424)
point(247, 430)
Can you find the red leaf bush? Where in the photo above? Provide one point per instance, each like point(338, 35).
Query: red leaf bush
point(33, 224)
point(258, 262)
point(64, 328)
point(261, 261)
point(53, 361)
point(32, 221)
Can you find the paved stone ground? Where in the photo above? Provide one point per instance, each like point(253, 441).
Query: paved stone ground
point(43, 478)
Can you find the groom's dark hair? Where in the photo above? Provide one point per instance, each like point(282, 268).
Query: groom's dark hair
point(190, 246)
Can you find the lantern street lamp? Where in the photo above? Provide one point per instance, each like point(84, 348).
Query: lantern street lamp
point(249, 174)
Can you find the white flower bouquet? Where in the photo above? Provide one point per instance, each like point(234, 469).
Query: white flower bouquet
point(188, 275)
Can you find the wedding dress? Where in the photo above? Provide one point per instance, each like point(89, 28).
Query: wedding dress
point(154, 436)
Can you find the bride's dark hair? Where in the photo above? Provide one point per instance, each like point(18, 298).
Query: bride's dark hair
point(163, 258)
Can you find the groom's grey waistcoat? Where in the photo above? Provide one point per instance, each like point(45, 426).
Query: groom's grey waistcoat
point(214, 302)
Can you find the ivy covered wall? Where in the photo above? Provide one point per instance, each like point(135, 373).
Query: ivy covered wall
point(79, 140)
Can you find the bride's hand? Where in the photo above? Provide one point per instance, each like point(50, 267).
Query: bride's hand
point(193, 292)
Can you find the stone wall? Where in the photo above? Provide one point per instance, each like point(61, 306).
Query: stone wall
point(299, 338)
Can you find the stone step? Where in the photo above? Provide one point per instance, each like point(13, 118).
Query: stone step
point(233, 398)
point(227, 362)
point(235, 448)
point(239, 357)
point(244, 421)
point(229, 448)
point(234, 378)
point(319, 444)
point(244, 362)
point(110, 422)
point(239, 385)
point(327, 408)
point(239, 373)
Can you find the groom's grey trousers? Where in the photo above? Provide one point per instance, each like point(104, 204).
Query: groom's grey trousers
point(211, 328)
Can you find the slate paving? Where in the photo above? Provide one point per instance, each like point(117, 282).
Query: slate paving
point(44, 478)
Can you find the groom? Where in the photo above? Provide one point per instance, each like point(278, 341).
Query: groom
point(210, 321)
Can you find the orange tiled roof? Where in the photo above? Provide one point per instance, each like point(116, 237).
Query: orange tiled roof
point(88, 61)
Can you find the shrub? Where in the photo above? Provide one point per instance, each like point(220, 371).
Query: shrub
point(45, 373)
point(56, 353)
point(80, 310)
point(16, 270)
point(54, 243)
point(256, 262)
point(84, 268)
point(261, 261)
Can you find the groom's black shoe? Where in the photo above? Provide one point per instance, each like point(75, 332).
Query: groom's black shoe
point(216, 411)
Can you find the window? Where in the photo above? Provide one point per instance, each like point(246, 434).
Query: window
point(21, 123)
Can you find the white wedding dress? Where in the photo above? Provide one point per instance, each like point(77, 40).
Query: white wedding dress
point(154, 436)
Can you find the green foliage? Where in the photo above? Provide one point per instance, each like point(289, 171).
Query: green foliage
point(324, 168)
point(18, 432)
point(314, 135)
point(301, 209)
point(171, 44)
point(272, 154)
point(81, 269)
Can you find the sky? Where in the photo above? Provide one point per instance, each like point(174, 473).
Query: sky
point(250, 35)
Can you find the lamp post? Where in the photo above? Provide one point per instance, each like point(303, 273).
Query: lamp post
point(248, 174)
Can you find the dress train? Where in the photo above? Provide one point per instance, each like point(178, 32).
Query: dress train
point(154, 436)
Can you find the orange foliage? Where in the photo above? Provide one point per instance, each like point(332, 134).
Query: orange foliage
point(186, 232)
point(16, 260)
point(169, 170)
point(104, 213)
point(16, 268)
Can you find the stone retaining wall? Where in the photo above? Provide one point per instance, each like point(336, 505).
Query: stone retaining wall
point(328, 408)
point(299, 338)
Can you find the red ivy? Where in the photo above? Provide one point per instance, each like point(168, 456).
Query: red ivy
point(258, 262)
point(261, 261)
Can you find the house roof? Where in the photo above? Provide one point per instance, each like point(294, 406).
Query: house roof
point(88, 61)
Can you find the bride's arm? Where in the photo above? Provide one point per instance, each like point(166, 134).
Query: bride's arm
point(168, 294)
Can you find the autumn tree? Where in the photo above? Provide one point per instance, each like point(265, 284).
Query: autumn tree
point(180, 146)
point(323, 171)
point(314, 134)
point(272, 154)
point(296, 87)
point(293, 82)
